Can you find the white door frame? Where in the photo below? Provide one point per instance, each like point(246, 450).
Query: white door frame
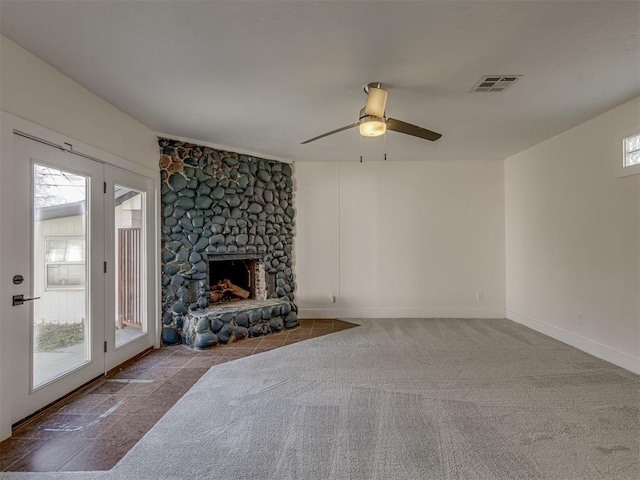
point(8, 124)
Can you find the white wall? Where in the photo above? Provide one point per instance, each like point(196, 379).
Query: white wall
point(400, 239)
point(34, 91)
point(573, 239)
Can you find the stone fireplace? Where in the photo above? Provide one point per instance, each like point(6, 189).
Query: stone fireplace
point(227, 241)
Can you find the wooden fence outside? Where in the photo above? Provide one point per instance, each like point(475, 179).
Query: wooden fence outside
point(129, 277)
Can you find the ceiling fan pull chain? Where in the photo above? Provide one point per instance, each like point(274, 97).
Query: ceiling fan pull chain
point(385, 146)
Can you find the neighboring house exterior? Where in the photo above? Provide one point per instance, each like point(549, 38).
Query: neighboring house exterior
point(60, 269)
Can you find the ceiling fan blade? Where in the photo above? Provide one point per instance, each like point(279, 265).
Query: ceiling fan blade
point(409, 129)
point(376, 101)
point(330, 133)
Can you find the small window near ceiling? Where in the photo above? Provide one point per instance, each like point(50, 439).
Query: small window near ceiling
point(632, 150)
point(627, 152)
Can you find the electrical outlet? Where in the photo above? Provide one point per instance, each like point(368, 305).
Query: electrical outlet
point(333, 298)
point(479, 296)
point(580, 318)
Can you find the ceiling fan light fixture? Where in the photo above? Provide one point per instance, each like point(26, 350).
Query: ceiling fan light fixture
point(372, 127)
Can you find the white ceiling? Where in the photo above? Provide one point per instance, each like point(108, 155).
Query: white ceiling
point(264, 76)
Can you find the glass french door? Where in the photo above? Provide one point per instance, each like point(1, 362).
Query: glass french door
point(82, 253)
point(129, 269)
point(58, 285)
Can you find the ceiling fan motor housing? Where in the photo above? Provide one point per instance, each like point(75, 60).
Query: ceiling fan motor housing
point(376, 100)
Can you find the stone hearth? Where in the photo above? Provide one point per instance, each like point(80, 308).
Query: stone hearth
point(246, 318)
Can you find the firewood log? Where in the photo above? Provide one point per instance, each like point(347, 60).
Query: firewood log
point(225, 287)
point(237, 291)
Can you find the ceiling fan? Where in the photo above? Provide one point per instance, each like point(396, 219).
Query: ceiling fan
point(373, 123)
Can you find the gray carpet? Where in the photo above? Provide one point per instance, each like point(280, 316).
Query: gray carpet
point(400, 399)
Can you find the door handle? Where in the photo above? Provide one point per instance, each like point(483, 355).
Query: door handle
point(19, 299)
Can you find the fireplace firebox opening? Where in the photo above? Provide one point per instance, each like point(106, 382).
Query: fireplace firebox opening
point(235, 279)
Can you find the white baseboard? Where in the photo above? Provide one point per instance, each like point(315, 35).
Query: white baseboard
point(401, 312)
point(596, 349)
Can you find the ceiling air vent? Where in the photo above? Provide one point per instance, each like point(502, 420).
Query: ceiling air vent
point(495, 83)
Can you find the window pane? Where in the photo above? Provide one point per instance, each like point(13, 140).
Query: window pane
point(75, 250)
point(60, 318)
point(130, 321)
point(64, 250)
point(66, 275)
point(632, 159)
point(56, 250)
point(632, 143)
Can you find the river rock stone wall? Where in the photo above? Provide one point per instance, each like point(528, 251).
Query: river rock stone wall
point(216, 203)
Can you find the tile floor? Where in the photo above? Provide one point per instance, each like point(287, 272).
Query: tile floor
point(96, 426)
